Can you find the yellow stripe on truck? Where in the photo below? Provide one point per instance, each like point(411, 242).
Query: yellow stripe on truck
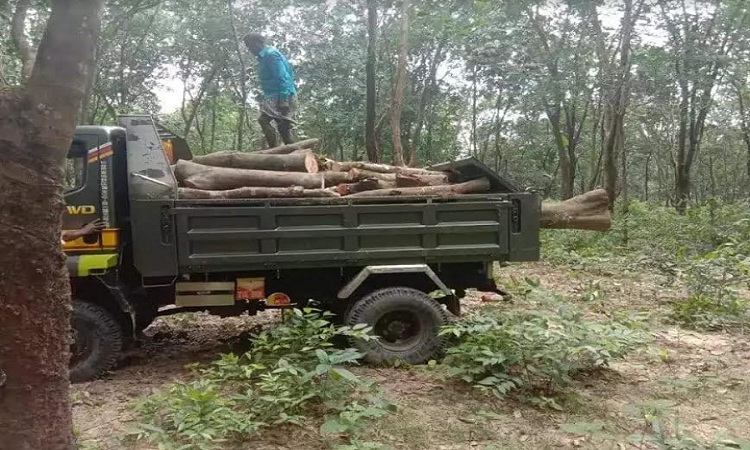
point(95, 264)
point(108, 239)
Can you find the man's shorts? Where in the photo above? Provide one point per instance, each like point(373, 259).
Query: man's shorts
point(280, 108)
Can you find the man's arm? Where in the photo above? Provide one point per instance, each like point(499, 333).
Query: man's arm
point(90, 228)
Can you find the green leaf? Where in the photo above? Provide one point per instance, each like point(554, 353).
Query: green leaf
point(333, 426)
point(345, 374)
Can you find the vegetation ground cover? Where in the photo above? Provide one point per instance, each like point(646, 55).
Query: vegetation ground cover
point(611, 342)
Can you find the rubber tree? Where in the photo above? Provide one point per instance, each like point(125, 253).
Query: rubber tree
point(700, 44)
point(37, 121)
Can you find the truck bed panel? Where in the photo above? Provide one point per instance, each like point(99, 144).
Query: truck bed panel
point(227, 236)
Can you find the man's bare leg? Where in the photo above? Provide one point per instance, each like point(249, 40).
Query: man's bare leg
point(286, 131)
point(268, 131)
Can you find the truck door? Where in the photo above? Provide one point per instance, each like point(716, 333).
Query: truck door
point(87, 192)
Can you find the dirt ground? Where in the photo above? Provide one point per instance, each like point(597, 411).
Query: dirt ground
point(698, 381)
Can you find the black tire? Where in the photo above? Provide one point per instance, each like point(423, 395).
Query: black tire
point(97, 342)
point(406, 321)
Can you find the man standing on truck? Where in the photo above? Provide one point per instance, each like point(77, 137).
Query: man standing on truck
point(279, 90)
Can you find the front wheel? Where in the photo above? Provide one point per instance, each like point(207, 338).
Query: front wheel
point(406, 321)
point(97, 341)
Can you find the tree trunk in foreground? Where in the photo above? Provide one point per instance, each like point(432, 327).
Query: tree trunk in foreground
point(256, 192)
point(448, 190)
point(198, 176)
point(288, 148)
point(36, 127)
point(589, 211)
point(297, 161)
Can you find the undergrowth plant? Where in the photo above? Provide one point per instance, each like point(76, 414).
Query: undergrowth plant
point(706, 251)
point(651, 237)
point(292, 374)
point(665, 432)
point(534, 354)
point(717, 284)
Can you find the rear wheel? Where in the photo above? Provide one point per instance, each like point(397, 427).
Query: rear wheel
point(97, 341)
point(406, 321)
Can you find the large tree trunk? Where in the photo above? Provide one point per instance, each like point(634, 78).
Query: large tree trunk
point(297, 161)
point(399, 86)
point(617, 95)
point(449, 190)
point(373, 153)
point(288, 148)
point(424, 99)
point(589, 211)
point(255, 192)
point(198, 176)
point(36, 127)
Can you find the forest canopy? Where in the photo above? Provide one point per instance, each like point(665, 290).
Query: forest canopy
point(646, 98)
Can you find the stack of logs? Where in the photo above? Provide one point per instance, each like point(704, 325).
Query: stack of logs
point(294, 171)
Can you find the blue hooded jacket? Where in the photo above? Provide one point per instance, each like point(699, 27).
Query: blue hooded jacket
point(276, 74)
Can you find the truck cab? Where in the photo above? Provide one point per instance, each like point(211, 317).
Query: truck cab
point(400, 265)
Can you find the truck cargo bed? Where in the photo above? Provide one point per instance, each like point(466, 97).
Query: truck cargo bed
point(298, 233)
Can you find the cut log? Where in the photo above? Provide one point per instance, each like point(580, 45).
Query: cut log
point(335, 178)
point(417, 180)
point(288, 148)
point(361, 175)
point(589, 211)
point(255, 192)
point(370, 184)
point(302, 161)
point(447, 190)
point(199, 176)
point(372, 167)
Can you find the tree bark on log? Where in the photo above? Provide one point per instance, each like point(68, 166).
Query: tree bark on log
point(589, 211)
point(255, 192)
point(448, 190)
point(361, 175)
point(418, 180)
point(288, 148)
point(302, 161)
point(370, 184)
point(199, 176)
point(380, 168)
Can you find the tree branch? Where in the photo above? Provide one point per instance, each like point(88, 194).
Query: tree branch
point(18, 32)
point(64, 64)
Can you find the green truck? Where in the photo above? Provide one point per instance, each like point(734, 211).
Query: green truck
point(399, 264)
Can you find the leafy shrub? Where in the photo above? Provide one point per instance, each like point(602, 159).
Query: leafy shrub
point(292, 371)
point(533, 354)
point(717, 285)
point(652, 236)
